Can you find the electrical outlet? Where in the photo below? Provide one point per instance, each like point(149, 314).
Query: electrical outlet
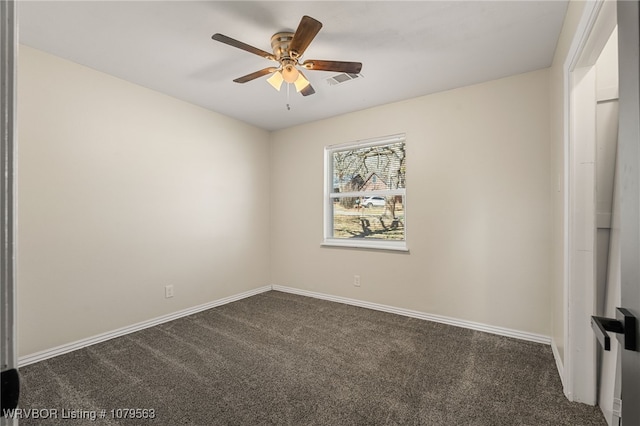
point(356, 280)
point(168, 291)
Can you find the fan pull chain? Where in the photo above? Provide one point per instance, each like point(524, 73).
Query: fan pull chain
point(288, 106)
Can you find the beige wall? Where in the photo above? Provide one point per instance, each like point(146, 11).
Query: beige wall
point(556, 76)
point(478, 206)
point(122, 191)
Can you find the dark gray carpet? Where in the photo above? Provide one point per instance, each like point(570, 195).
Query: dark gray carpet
point(278, 358)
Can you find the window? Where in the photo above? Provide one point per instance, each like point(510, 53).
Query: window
point(365, 199)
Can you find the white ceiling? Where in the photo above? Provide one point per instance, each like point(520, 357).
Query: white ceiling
point(408, 49)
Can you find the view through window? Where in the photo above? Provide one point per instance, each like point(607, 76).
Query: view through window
point(365, 202)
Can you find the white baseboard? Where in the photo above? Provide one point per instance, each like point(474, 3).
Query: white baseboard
point(559, 363)
point(522, 335)
point(79, 344)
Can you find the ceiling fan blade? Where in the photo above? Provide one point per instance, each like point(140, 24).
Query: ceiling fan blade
point(335, 66)
point(240, 45)
point(308, 90)
point(304, 35)
point(255, 75)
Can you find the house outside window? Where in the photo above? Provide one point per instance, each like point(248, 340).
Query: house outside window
point(365, 194)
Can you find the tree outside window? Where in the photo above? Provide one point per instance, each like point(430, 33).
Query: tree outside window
point(366, 198)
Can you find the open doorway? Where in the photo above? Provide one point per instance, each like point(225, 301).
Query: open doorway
point(590, 152)
point(602, 182)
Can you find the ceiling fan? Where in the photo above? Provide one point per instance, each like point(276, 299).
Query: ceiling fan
point(288, 48)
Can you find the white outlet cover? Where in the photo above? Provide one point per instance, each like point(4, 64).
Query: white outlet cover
point(168, 291)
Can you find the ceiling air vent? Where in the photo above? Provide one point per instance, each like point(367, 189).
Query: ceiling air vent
point(341, 78)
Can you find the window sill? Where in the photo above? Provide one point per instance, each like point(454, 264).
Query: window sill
point(400, 246)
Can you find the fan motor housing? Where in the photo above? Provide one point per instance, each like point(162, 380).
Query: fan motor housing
point(280, 44)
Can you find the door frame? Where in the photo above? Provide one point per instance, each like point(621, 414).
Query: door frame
point(578, 373)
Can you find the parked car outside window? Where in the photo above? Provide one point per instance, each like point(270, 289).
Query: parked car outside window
point(373, 201)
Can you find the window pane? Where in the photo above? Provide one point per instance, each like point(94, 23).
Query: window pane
point(370, 168)
point(369, 217)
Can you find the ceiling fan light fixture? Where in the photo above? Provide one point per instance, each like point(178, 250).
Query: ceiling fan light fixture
point(301, 83)
point(276, 80)
point(290, 73)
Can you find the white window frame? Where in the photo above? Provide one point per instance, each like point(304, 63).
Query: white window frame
point(329, 196)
